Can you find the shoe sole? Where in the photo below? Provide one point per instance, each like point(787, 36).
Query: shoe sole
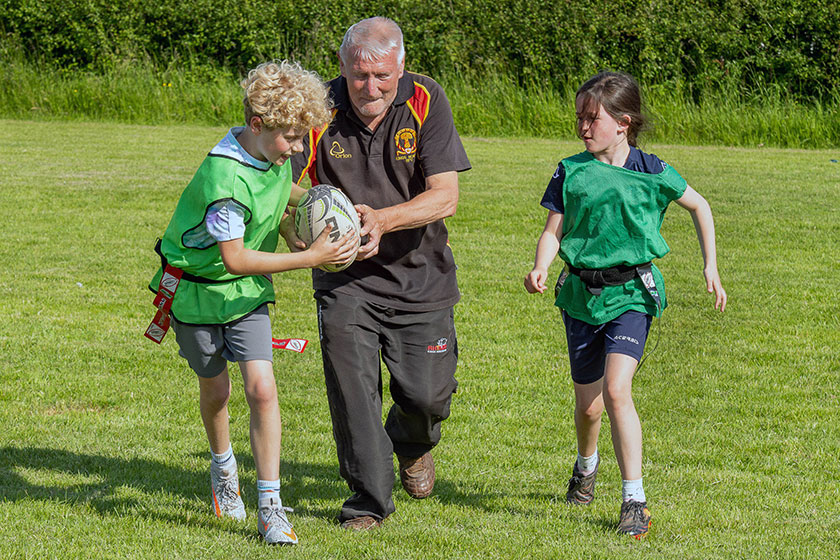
point(358, 529)
point(574, 502)
point(278, 543)
point(641, 536)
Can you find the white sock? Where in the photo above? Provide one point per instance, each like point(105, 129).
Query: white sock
point(269, 492)
point(632, 490)
point(223, 459)
point(587, 464)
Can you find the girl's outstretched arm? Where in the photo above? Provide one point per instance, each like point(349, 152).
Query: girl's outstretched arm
point(547, 248)
point(704, 225)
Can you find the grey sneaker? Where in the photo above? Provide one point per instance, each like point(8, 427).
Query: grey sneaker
point(272, 523)
point(582, 487)
point(224, 488)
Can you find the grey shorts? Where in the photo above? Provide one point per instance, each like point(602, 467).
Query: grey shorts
point(208, 348)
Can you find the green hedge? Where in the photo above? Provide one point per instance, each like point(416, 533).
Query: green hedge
point(697, 45)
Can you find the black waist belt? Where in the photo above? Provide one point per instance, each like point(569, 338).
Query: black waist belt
point(596, 278)
point(187, 275)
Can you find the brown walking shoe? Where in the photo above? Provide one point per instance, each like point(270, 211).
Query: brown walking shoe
point(582, 487)
point(362, 523)
point(635, 519)
point(417, 475)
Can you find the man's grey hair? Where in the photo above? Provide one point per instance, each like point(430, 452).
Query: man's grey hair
point(372, 39)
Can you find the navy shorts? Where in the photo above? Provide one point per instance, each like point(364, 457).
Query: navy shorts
point(590, 344)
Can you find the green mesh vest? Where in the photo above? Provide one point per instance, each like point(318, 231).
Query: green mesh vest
point(263, 196)
point(612, 217)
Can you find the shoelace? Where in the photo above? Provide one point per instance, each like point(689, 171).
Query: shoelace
point(276, 512)
point(228, 493)
point(637, 511)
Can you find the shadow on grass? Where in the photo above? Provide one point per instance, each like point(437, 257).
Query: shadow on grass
point(572, 514)
point(159, 491)
point(143, 487)
point(303, 481)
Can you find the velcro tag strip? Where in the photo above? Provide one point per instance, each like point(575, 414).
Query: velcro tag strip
point(163, 301)
point(294, 344)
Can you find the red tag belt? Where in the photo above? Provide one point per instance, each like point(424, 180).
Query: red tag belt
point(163, 301)
point(294, 344)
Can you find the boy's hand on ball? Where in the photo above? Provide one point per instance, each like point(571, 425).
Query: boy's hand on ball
point(287, 232)
point(337, 252)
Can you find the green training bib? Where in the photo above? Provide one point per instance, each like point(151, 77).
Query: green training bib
point(612, 217)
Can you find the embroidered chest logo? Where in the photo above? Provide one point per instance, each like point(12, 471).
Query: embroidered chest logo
point(338, 152)
point(406, 141)
point(438, 347)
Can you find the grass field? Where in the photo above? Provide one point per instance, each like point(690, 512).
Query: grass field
point(101, 446)
point(140, 92)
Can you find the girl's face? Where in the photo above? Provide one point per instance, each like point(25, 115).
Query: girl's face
point(600, 132)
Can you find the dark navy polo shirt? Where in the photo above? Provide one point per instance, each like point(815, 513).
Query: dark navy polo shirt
point(415, 268)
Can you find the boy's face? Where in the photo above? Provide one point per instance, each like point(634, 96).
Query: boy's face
point(372, 86)
point(279, 144)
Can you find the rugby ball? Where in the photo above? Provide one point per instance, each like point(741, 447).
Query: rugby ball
point(322, 205)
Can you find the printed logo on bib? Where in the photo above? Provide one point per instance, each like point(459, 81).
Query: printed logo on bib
point(438, 347)
point(338, 152)
point(406, 141)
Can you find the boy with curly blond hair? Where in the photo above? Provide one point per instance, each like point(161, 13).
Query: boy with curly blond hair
point(214, 283)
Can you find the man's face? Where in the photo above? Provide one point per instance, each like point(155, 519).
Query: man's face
point(372, 85)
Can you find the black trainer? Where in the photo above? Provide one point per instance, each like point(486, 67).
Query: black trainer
point(582, 488)
point(635, 519)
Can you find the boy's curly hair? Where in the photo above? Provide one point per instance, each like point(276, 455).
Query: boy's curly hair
point(284, 95)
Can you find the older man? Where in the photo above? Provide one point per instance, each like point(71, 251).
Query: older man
point(393, 149)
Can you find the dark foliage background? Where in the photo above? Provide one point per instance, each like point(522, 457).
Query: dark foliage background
point(696, 45)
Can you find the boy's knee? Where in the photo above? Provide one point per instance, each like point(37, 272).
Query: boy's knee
point(215, 390)
point(261, 392)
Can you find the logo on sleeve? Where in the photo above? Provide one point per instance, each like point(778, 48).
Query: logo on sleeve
point(438, 347)
point(406, 141)
point(338, 152)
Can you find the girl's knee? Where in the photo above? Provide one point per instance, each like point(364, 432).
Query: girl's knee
point(590, 411)
point(617, 397)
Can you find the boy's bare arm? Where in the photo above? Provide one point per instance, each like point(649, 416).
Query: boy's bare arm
point(244, 262)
